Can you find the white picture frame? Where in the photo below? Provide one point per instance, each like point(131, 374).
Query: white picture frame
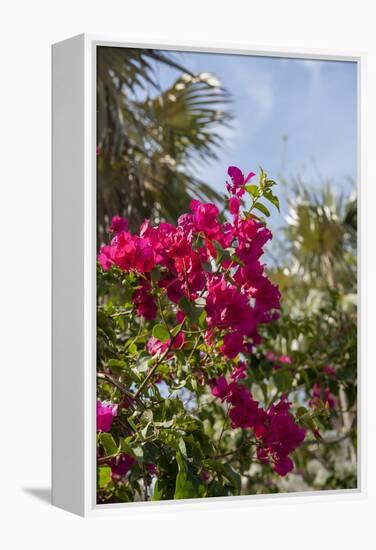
point(73, 276)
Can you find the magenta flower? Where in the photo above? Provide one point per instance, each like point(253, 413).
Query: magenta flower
point(283, 466)
point(144, 301)
point(220, 387)
point(275, 429)
point(105, 257)
point(180, 316)
point(232, 344)
point(285, 359)
point(120, 466)
point(118, 225)
point(105, 415)
point(238, 181)
point(204, 475)
point(205, 217)
point(155, 346)
point(321, 394)
point(234, 205)
point(179, 341)
point(239, 372)
point(330, 371)
point(152, 469)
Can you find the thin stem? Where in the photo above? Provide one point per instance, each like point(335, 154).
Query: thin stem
point(117, 384)
point(327, 441)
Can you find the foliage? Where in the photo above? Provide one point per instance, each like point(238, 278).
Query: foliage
point(316, 270)
point(194, 364)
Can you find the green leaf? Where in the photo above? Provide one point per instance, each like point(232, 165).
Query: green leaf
point(262, 208)
point(188, 484)
point(175, 441)
point(160, 332)
point(132, 349)
point(301, 411)
point(159, 490)
point(233, 477)
point(125, 445)
point(104, 476)
point(252, 190)
point(202, 318)
point(155, 274)
point(108, 443)
point(226, 471)
point(272, 198)
point(263, 177)
point(116, 364)
point(190, 309)
point(283, 380)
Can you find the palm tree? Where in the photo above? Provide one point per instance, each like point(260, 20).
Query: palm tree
point(150, 141)
point(318, 248)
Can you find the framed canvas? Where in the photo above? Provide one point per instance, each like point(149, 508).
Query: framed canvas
point(207, 291)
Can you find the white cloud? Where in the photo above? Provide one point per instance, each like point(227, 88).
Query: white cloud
point(260, 91)
point(314, 68)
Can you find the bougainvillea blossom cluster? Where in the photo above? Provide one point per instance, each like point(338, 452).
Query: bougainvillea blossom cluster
point(208, 260)
point(105, 415)
point(275, 429)
point(238, 295)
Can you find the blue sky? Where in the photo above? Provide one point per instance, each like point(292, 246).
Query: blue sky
point(312, 103)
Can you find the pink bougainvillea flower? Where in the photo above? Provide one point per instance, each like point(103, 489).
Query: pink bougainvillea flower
point(321, 394)
point(105, 415)
point(234, 205)
point(239, 372)
point(232, 344)
point(285, 359)
point(152, 469)
point(205, 476)
point(281, 436)
point(104, 257)
point(238, 181)
point(247, 415)
point(205, 216)
point(227, 308)
point(118, 225)
point(174, 288)
point(283, 466)
point(179, 341)
point(155, 346)
point(145, 258)
point(120, 466)
point(180, 316)
point(275, 429)
point(330, 371)
point(144, 301)
point(220, 387)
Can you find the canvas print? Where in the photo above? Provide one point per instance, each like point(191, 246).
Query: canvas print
point(226, 275)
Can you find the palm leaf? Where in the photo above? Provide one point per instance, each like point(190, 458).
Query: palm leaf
point(149, 148)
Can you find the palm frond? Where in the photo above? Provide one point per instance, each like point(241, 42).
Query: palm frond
point(149, 147)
